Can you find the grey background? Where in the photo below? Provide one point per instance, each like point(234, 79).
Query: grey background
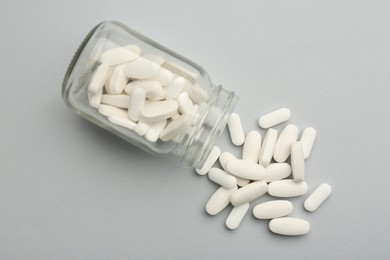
point(69, 190)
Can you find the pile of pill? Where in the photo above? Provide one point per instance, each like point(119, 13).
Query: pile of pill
point(155, 98)
point(263, 169)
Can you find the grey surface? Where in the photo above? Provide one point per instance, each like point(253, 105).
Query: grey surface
point(69, 190)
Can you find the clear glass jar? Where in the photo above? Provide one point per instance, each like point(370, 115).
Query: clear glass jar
point(213, 103)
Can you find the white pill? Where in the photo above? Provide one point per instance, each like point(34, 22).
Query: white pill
point(317, 197)
point(120, 55)
point(185, 104)
point(245, 169)
point(118, 81)
point(136, 104)
point(95, 99)
point(287, 188)
point(164, 77)
point(197, 94)
point(249, 192)
point(273, 209)
point(154, 58)
point(180, 70)
point(121, 101)
point(236, 215)
point(219, 200)
point(110, 111)
point(307, 140)
point(210, 160)
point(153, 89)
point(175, 88)
point(224, 158)
point(108, 79)
point(274, 118)
point(235, 129)
point(141, 128)
point(175, 128)
point(283, 145)
point(98, 79)
point(141, 68)
point(252, 146)
point(277, 171)
point(289, 226)
point(297, 162)
point(156, 111)
point(155, 130)
point(268, 147)
point(124, 122)
point(222, 178)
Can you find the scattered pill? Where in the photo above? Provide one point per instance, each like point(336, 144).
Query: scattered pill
point(222, 178)
point(120, 101)
point(219, 200)
point(136, 104)
point(249, 192)
point(210, 160)
point(283, 144)
point(289, 226)
point(245, 169)
point(236, 215)
point(141, 68)
point(273, 209)
point(307, 140)
point(268, 147)
point(252, 145)
point(235, 129)
point(277, 171)
point(297, 162)
point(317, 197)
point(274, 118)
point(224, 158)
point(120, 55)
point(287, 188)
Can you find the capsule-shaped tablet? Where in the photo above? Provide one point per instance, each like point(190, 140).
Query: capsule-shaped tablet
point(297, 162)
point(289, 226)
point(236, 215)
point(164, 77)
point(185, 104)
point(94, 99)
point(153, 89)
point(287, 188)
point(219, 200)
point(273, 209)
point(224, 158)
point(251, 148)
point(141, 128)
point(274, 118)
point(136, 103)
point(210, 160)
point(121, 101)
point(122, 121)
point(283, 144)
point(222, 178)
point(277, 171)
point(307, 140)
point(155, 130)
point(157, 111)
point(118, 81)
point(175, 88)
point(120, 55)
point(98, 79)
point(245, 169)
point(110, 111)
point(196, 93)
point(141, 68)
point(235, 129)
point(317, 197)
point(176, 128)
point(249, 192)
point(268, 147)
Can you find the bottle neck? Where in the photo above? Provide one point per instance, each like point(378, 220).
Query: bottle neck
point(206, 127)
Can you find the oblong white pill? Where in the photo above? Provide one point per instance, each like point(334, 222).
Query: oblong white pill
point(273, 209)
point(98, 79)
point(317, 197)
point(268, 147)
point(118, 81)
point(153, 89)
point(307, 140)
point(224, 158)
point(185, 104)
point(155, 130)
point(245, 169)
point(236, 215)
point(94, 99)
point(121, 101)
point(136, 103)
point(289, 226)
point(287, 188)
point(283, 145)
point(252, 146)
point(176, 127)
point(175, 88)
point(164, 77)
point(277, 171)
point(297, 162)
point(156, 111)
point(235, 129)
point(110, 111)
point(197, 94)
point(141, 128)
point(120, 55)
point(249, 192)
point(222, 178)
point(219, 200)
point(274, 118)
point(210, 160)
point(180, 70)
point(141, 68)
point(124, 122)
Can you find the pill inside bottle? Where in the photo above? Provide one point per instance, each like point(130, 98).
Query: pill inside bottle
point(146, 94)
